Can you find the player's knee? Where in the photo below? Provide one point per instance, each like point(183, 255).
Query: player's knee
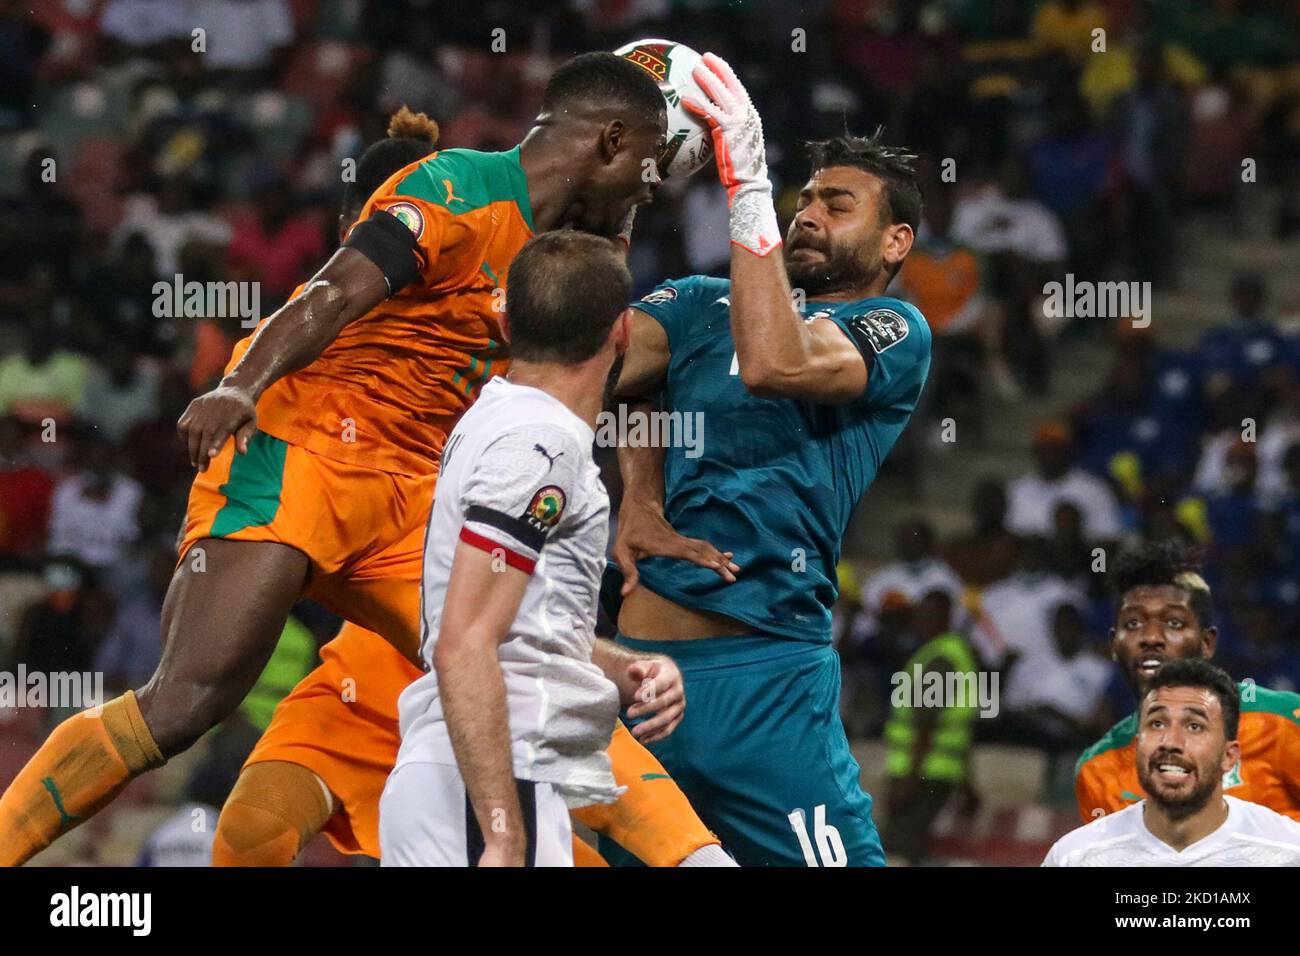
point(250, 835)
point(274, 809)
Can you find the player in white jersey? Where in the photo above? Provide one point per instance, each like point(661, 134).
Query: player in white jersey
point(1186, 742)
point(507, 728)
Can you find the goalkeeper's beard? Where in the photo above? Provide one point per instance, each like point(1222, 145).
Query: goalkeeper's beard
point(840, 272)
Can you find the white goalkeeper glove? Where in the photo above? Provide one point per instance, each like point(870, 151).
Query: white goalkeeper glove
point(742, 164)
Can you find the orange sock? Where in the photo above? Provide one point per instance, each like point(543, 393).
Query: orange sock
point(80, 768)
point(653, 820)
point(275, 808)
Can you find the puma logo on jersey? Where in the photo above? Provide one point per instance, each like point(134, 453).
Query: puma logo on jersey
point(548, 456)
point(446, 183)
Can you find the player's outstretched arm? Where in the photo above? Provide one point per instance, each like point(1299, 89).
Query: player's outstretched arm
point(346, 288)
point(780, 356)
point(649, 686)
point(480, 606)
point(643, 531)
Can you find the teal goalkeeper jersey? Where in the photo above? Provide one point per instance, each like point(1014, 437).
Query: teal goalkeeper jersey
point(774, 480)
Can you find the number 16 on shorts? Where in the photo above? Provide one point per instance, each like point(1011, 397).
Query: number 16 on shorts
point(829, 845)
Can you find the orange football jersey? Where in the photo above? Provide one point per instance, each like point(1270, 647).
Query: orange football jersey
point(1268, 772)
point(387, 391)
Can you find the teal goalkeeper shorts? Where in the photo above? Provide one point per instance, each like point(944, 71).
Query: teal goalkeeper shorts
point(762, 755)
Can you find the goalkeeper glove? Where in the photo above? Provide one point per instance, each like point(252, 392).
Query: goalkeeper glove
point(737, 134)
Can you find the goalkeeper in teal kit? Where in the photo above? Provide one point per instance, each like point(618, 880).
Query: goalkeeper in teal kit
point(802, 397)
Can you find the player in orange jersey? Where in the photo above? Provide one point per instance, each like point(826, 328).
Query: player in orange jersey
point(317, 452)
point(322, 763)
point(1166, 613)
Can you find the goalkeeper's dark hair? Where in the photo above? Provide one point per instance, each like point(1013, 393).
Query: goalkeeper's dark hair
point(1200, 673)
point(411, 137)
point(606, 79)
point(893, 165)
point(1164, 564)
point(566, 290)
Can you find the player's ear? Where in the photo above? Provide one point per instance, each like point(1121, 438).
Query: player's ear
point(897, 243)
point(1209, 641)
point(611, 139)
point(622, 331)
point(1231, 755)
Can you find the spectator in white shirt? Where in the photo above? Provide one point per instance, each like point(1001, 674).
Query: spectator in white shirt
point(138, 24)
point(121, 393)
point(243, 34)
point(917, 571)
point(1060, 691)
point(168, 221)
point(1006, 217)
point(1015, 615)
point(1034, 496)
point(94, 515)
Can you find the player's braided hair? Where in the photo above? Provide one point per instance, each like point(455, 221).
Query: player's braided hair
point(411, 137)
point(1161, 564)
point(894, 165)
point(407, 124)
point(1198, 672)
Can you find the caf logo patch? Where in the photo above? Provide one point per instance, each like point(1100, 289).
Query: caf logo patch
point(883, 328)
point(660, 296)
point(409, 215)
point(546, 507)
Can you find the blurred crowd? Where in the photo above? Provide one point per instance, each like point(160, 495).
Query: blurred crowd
point(145, 140)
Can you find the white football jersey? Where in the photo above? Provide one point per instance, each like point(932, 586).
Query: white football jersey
point(517, 480)
point(1252, 835)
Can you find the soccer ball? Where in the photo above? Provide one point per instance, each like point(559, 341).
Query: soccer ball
point(690, 145)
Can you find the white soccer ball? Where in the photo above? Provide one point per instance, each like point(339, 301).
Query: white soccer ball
point(690, 145)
